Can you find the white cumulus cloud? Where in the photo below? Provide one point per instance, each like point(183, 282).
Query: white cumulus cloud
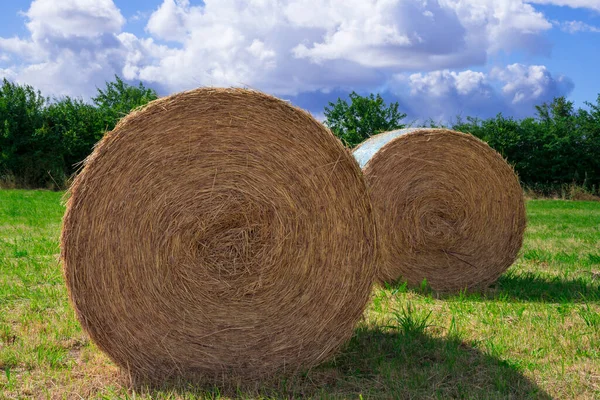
point(514, 89)
point(442, 83)
point(576, 26)
point(169, 21)
point(80, 18)
point(72, 46)
point(286, 47)
point(523, 84)
point(591, 4)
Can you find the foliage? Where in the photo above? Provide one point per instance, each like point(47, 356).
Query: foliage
point(558, 147)
point(75, 127)
point(21, 115)
point(42, 142)
point(119, 98)
point(362, 118)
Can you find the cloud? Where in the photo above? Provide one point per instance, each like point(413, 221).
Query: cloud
point(27, 50)
point(513, 90)
point(296, 46)
point(442, 83)
point(140, 16)
point(285, 47)
point(576, 27)
point(72, 48)
point(7, 73)
point(168, 22)
point(591, 4)
point(69, 18)
point(291, 48)
point(384, 34)
point(528, 84)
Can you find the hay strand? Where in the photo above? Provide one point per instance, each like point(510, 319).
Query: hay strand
point(218, 233)
point(449, 209)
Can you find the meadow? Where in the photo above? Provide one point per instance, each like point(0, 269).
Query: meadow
point(534, 334)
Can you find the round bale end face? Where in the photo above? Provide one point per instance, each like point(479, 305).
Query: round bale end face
point(449, 209)
point(219, 234)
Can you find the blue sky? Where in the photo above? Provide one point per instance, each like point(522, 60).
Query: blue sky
point(437, 58)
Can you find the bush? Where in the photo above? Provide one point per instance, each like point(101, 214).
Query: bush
point(362, 118)
point(42, 143)
point(21, 115)
point(559, 147)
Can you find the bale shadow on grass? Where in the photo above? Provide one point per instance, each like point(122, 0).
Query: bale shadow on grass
point(387, 364)
point(532, 287)
point(529, 287)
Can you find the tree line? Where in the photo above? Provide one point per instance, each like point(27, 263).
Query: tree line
point(43, 142)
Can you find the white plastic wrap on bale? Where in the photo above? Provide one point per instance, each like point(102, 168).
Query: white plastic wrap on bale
point(371, 146)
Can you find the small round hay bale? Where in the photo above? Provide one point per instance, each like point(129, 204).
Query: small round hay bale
point(449, 209)
point(217, 234)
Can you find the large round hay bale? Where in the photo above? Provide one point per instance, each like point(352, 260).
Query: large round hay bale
point(219, 233)
point(449, 209)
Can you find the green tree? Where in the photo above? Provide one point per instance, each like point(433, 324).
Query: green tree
point(21, 114)
point(564, 141)
point(71, 129)
point(515, 140)
point(119, 98)
point(363, 117)
point(560, 146)
point(590, 123)
point(43, 142)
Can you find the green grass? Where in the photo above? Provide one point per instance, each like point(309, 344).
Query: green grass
point(534, 334)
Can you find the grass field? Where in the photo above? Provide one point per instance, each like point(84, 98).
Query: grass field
point(535, 334)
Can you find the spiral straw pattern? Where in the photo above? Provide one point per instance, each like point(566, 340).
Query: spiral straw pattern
point(449, 209)
point(219, 233)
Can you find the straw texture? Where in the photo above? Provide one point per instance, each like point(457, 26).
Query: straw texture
point(219, 233)
point(449, 208)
